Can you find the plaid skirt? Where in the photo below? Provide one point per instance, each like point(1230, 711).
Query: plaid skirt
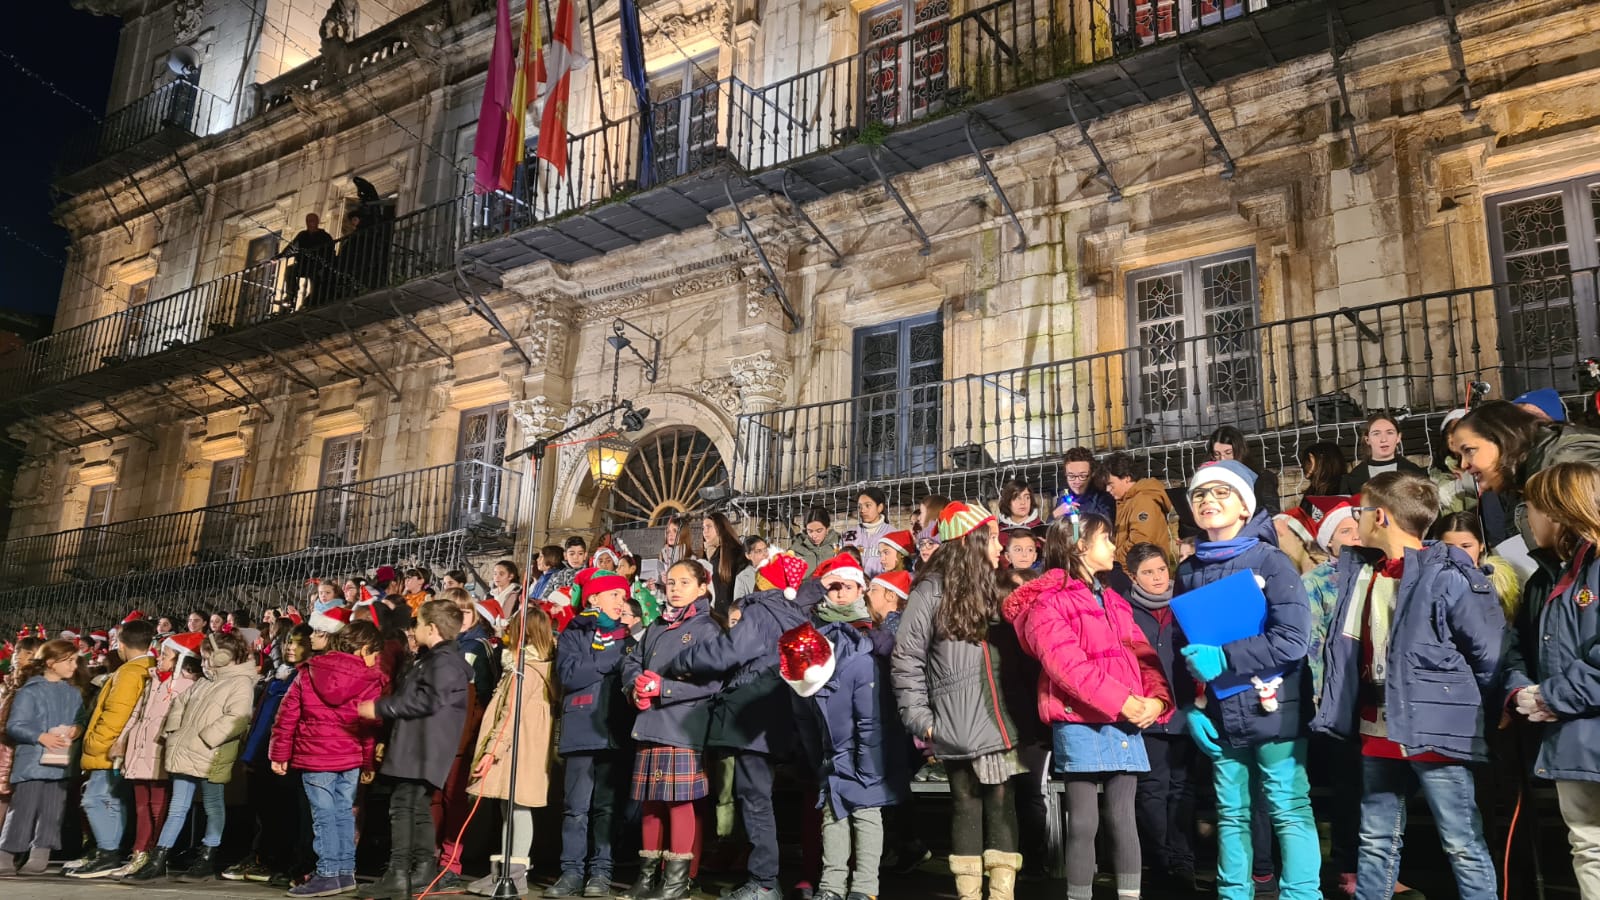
point(668, 774)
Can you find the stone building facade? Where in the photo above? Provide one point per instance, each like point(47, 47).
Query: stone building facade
point(1285, 237)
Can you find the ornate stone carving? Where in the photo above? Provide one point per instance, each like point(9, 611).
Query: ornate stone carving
point(187, 17)
point(761, 378)
point(677, 29)
point(340, 22)
point(722, 393)
point(36, 481)
point(710, 281)
point(758, 291)
point(611, 307)
point(550, 319)
point(537, 417)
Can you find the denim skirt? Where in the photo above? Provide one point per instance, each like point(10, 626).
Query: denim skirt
point(1098, 748)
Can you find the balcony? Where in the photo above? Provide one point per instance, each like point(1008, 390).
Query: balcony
point(1288, 383)
point(433, 515)
point(153, 125)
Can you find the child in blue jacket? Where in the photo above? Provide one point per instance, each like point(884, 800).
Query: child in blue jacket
point(1413, 653)
point(40, 724)
point(1259, 733)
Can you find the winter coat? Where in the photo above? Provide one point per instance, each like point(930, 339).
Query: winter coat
point(204, 727)
point(1090, 503)
point(841, 728)
point(8, 750)
point(317, 728)
point(681, 715)
point(256, 741)
point(478, 648)
point(865, 538)
point(1281, 647)
point(1162, 632)
point(1361, 473)
point(1443, 657)
point(949, 687)
point(1142, 518)
point(722, 588)
point(535, 734)
point(112, 710)
point(40, 705)
point(1093, 655)
point(1561, 654)
point(429, 709)
point(141, 748)
point(1556, 442)
point(816, 554)
point(750, 712)
point(594, 715)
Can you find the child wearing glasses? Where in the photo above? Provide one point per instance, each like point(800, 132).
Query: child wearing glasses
point(1258, 733)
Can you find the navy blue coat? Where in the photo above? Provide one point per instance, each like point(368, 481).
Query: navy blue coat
point(594, 715)
point(842, 728)
point(1240, 720)
point(1443, 656)
point(750, 713)
point(681, 716)
point(1164, 638)
point(260, 735)
point(1097, 503)
point(1562, 656)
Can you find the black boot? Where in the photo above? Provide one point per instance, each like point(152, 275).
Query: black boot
point(422, 874)
point(155, 868)
point(201, 868)
point(649, 880)
point(674, 878)
point(390, 886)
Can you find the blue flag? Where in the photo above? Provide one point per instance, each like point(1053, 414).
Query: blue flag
point(633, 70)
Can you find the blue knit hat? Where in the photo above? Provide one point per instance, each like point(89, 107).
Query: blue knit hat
point(1232, 473)
point(1548, 400)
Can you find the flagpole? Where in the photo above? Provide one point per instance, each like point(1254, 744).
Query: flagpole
point(599, 94)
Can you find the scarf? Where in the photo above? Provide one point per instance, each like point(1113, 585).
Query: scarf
point(672, 614)
point(607, 630)
point(1151, 602)
point(832, 612)
point(1217, 551)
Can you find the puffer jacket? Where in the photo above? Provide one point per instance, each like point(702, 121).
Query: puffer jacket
point(594, 716)
point(140, 747)
point(257, 739)
point(1142, 518)
point(681, 715)
point(112, 709)
point(535, 736)
point(751, 712)
point(1094, 656)
point(206, 723)
point(1281, 647)
point(1562, 656)
point(842, 729)
point(952, 688)
point(816, 554)
point(317, 728)
point(40, 705)
point(1443, 654)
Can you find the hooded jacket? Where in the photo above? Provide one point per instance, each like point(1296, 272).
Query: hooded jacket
point(206, 723)
point(317, 728)
point(112, 709)
point(40, 705)
point(1142, 518)
point(842, 729)
point(681, 715)
point(271, 699)
point(140, 746)
point(816, 554)
point(1094, 656)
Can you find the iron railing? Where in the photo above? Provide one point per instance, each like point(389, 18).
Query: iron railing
point(459, 496)
point(180, 108)
point(1301, 379)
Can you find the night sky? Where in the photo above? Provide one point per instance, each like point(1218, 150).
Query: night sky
point(76, 51)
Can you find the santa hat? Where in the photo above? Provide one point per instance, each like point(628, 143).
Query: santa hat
point(99, 636)
point(959, 520)
point(330, 618)
point(897, 583)
point(783, 572)
point(294, 616)
point(135, 616)
point(384, 576)
point(1452, 417)
point(580, 583)
point(605, 580)
point(1232, 473)
point(71, 634)
point(186, 644)
point(24, 634)
point(1327, 514)
point(39, 632)
point(841, 568)
point(805, 659)
point(903, 542)
point(1300, 523)
point(605, 558)
point(491, 611)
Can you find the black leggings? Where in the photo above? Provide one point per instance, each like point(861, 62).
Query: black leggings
point(983, 817)
point(1083, 821)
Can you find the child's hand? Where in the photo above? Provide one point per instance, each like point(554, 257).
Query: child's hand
point(641, 702)
point(1206, 661)
point(280, 768)
point(366, 776)
point(1145, 711)
point(52, 741)
point(366, 709)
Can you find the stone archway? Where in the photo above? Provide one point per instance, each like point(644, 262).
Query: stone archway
point(663, 477)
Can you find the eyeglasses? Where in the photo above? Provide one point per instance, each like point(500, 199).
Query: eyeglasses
point(1358, 510)
point(1217, 492)
point(1078, 478)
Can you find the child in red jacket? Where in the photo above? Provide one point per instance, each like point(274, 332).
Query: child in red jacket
point(319, 733)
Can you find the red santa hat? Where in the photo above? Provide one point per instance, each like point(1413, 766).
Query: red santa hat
point(805, 659)
point(135, 616)
point(294, 616)
point(783, 572)
point(330, 620)
point(39, 632)
point(841, 568)
point(1298, 522)
point(186, 644)
point(1327, 514)
point(903, 542)
point(24, 634)
point(491, 611)
point(71, 634)
point(897, 582)
point(99, 636)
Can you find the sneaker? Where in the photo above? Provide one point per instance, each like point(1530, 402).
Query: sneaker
point(257, 873)
point(280, 880)
point(134, 864)
point(448, 883)
point(235, 872)
point(80, 862)
point(103, 864)
point(318, 886)
point(751, 891)
point(347, 883)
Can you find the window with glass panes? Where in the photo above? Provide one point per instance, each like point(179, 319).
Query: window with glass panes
point(898, 412)
point(906, 60)
point(684, 102)
point(341, 465)
point(219, 527)
point(481, 448)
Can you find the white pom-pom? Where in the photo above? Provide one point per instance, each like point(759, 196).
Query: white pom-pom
point(790, 593)
point(1261, 582)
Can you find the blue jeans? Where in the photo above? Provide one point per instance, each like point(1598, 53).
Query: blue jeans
point(332, 796)
point(1447, 787)
point(184, 788)
point(1281, 767)
point(102, 804)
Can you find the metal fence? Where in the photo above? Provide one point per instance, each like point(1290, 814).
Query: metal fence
point(180, 109)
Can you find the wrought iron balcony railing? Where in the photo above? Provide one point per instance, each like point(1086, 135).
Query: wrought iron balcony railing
point(1290, 381)
point(179, 110)
point(462, 496)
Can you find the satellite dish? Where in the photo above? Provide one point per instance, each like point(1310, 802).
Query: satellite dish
point(183, 61)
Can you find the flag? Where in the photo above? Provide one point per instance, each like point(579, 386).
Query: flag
point(488, 145)
point(562, 57)
point(526, 83)
point(633, 70)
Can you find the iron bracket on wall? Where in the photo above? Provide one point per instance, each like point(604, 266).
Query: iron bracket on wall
point(137, 186)
point(194, 190)
point(338, 365)
point(994, 183)
point(889, 188)
point(165, 389)
point(135, 428)
point(288, 368)
point(44, 426)
point(1347, 118)
point(411, 324)
point(480, 307)
point(85, 423)
point(261, 405)
point(1458, 60)
point(1102, 174)
point(1367, 334)
point(1199, 109)
point(773, 285)
point(377, 370)
point(116, 212)
point(798, 210)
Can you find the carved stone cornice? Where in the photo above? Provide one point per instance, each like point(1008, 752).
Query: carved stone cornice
point(665, 35)
point(537, 417)
point(762, 378)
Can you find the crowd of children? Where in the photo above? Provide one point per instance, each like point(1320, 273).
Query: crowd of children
point(1381, 637)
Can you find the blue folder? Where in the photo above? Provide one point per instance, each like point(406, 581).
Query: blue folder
point(1224, 611)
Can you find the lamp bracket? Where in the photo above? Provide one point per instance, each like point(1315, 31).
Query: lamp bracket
point(619, 340)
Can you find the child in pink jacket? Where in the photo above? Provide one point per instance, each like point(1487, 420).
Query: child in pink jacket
point(1101, 684)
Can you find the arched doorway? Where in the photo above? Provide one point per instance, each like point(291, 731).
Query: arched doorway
point(664, 476)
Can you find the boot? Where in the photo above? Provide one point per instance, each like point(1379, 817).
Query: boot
point(674, 878)
point(389, 886)
point(38, 862)
point(422, 874)
point(649, 879)
point(969, 876)
point(570, 884)
point(202, 868)
point(517, 872)
point(155, 867)
point(8, 864)
point(1002, 870)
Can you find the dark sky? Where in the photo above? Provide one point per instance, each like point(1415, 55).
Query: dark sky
point(76, 51)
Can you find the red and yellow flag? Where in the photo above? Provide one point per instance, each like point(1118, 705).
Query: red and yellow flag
point(524, 86)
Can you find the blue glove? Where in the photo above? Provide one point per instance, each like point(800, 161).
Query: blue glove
point(1203, 730)
point(1206, 661)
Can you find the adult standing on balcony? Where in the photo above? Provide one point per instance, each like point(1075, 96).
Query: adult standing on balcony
point(1383, 454)
point(313, 252)
point(873, 504)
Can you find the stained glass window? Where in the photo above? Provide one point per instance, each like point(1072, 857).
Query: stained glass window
point(684, 117)
point(899, 386)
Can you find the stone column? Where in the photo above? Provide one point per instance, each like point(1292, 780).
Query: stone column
point(762, 379)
